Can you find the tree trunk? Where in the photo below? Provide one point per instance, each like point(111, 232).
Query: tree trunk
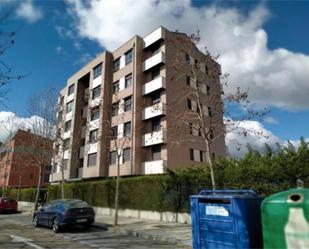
point(62, 182)
point(117, 192)
point(210, 165)
point(36, 203)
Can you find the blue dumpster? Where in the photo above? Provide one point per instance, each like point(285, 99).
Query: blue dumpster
point(226, 219)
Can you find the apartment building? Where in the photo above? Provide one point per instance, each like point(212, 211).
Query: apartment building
point(19, 165)
point(124, 104)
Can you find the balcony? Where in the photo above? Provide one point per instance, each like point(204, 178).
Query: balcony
point(156, 137)
point(154, 111)
point(153, 37)
point(154, 167)
point(154, 60)
point(154, 85)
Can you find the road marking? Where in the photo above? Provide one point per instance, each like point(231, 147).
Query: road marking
point(25, 240)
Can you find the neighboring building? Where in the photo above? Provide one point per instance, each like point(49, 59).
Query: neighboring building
point(139, 77)
point(18, 162)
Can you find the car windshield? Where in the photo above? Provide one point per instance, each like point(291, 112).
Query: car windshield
point(75, 204)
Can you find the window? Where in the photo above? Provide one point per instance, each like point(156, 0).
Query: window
point(127, 104)
point(66, 144)
point(95, 113)
point(209, 112)
point(126, 156)
point(55, 168)
point(188, 80)
point(156, 152)
point(191, 154)
point(92, 159)
point(67, 125)
point(46, 178)
point(96, 92)
point(156, 124)
point(208, 90)
point(201, 156)
point(61, 100)
point(206, 70)
point(114, 132)
point(128, 80)
point(69, 106)
point(155, 73)
point(65, 163)
point(156, 98)
point(187, 58)
point(60, 115)
point(71, 89)
point(97, 70)
point(93, 136)
point(129, 56)
point(189, 104)
point(156, 49)
point(116, 87)
point(115, 109)
point(116, 64)
point(127, 129)
point(113, 157)
point(57, 149)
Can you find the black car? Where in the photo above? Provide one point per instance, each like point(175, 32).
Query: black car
point(64, 213)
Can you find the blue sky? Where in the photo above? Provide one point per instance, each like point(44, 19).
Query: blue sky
point(59, 38)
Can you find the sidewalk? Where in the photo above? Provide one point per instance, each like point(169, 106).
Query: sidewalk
point(170, 232)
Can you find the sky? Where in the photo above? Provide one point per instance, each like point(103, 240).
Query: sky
point(262, 45)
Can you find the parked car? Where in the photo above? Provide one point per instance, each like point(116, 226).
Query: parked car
point(8, 204)
point(58, 214)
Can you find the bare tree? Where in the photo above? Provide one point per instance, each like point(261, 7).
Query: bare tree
point(7, 40)
point(209, 97)
point(41, 108)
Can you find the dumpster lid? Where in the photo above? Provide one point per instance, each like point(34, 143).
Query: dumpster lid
point(242, 193)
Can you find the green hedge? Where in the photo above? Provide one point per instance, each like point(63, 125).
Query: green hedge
point(265, 173)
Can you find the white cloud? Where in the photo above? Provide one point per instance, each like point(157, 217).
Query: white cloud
point(237, 142)
point(59, 50)
point(10, 123)
point(28, 11)
point(270, 120)
point(277, 77)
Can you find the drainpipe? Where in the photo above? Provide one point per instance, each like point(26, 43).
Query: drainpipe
point(134, 106)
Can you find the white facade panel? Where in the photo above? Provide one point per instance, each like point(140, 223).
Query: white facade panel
point(68, 116)
point(120, 131)
point(66, 154)
point(96, 82)
point(69, 98)
point(66, 134)
point(121, 84)
point(94, 124)
point(93, 148)
point(122, 61)
point(95, 102)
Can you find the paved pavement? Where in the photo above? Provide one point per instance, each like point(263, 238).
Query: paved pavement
point(175, 233)
point(17, 232)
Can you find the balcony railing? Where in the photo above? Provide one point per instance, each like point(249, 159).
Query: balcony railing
point(153, 37)
point(154, 85)
point(154, 111)
point(155, 137)
point(154, 60)
point(154, 167)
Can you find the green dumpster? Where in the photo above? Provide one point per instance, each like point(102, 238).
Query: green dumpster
point(285, 219)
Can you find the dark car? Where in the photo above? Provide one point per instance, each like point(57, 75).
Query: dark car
point(64, 213)
point(8, 204)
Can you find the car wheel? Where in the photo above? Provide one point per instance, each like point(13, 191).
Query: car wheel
point(56, 227)
point(35, 221)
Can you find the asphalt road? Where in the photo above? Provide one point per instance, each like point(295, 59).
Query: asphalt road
point(16, 232)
